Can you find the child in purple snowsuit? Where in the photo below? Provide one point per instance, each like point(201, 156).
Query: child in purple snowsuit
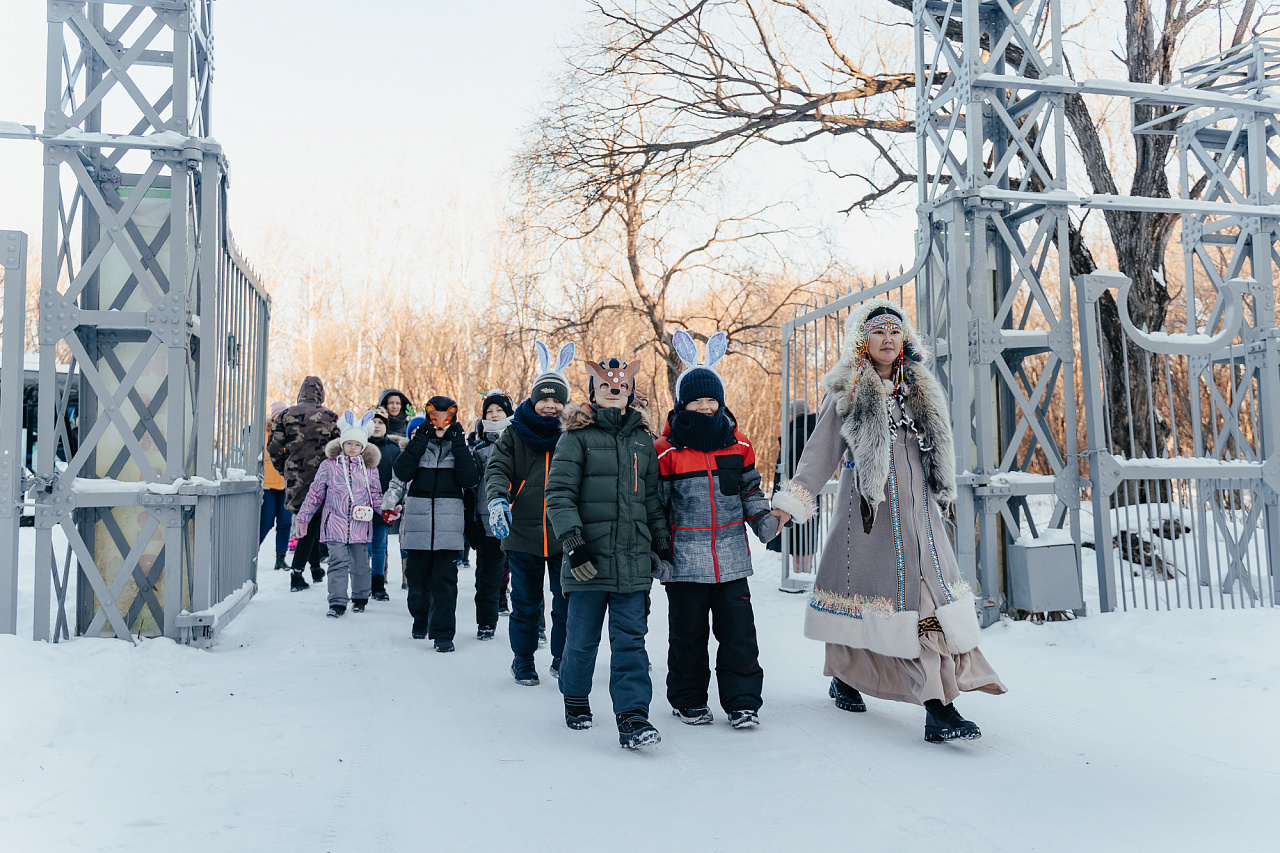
point(348, 486)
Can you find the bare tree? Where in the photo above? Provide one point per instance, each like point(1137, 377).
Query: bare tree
point(634, 220)
point(781, 72)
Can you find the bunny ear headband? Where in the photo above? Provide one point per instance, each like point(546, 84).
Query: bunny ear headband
point(563, 359)
point(687, 349)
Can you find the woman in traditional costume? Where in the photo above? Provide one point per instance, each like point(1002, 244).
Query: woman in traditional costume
point(898, 620)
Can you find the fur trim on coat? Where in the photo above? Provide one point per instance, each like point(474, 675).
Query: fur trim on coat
point(580, 415)
point(371, 454)
point(861, 400)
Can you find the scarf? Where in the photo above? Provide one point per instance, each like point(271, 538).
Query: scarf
point(705, 433)
point(541, 434)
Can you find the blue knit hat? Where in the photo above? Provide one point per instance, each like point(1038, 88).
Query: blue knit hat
point(699, 379)
point(697, 383)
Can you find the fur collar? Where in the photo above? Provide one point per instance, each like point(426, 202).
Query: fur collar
point(860, 401)
point(371, 455)
point(581, 415)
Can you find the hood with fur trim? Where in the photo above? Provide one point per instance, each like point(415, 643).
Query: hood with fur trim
point(854, 338)
point(580, 415)
point(371, 454)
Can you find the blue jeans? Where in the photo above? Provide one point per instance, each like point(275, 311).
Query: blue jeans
point(629, 684)
point(378, 547)
point(526, 603)
point(274, 512)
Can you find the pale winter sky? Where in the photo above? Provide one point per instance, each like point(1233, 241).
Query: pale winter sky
point(320, 102)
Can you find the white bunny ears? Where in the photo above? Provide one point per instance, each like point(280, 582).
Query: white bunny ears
point(687, 349)
point(353, 430)
point(563, 359)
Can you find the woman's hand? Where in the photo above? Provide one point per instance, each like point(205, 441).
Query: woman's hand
point(782, 515)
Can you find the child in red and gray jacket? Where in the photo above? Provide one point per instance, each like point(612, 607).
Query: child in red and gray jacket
point(710, 491)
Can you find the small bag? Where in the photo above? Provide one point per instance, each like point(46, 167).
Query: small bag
point(362, 513)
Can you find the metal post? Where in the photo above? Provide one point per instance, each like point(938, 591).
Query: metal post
point(13, 258)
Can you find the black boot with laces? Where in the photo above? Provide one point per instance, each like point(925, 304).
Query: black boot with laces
point(943, 723)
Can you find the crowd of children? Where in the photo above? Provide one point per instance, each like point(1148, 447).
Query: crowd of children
point(598, 500)
point(589, 499)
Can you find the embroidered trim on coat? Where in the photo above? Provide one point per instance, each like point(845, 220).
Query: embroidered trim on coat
point(927, 624)
point(849, 605)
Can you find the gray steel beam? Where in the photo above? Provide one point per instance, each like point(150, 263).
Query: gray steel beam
point(13, 258)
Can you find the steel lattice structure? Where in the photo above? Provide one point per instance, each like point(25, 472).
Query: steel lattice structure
point(166, 326)
point(988, 287)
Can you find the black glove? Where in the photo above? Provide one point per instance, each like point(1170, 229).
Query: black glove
point(581, 560)
point(455, 433)
point(662, 548)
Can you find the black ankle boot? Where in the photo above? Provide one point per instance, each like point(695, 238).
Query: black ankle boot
point(280, 555)
point(847, 698)
point(943, 723)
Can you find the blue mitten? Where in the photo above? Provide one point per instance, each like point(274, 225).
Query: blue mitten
point(500, 518)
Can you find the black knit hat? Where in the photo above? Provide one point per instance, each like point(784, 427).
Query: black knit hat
point(697, 383)
point(499, 398)
point(548, 386)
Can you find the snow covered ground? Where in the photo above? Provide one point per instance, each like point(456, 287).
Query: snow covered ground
point(1142, 731)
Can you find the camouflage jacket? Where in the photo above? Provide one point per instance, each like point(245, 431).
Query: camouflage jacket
point(297, 441)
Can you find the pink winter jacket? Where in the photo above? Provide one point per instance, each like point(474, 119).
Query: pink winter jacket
point(339, 480)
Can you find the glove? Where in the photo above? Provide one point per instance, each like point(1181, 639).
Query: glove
point(663, 549)
point(301, 527)
point(661, 569)
point(455, 433)
point(390, 516)
point(768, 527)
point(500, 518)
point(581, 560)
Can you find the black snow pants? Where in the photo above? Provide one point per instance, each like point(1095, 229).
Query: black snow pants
point(433, 592)
point(739, 677)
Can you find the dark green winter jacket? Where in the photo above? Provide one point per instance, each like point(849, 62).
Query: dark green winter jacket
point(518, 473)
point(604, 486)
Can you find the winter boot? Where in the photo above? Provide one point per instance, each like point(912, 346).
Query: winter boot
point(577, 712)
point(542, 639)
point(744, 719)
point(296, 582)
point(443, 646)
point(419, 635)
point(555, 668)
point(943, 723)
point(699, 716)
point(280, 555)
point(357, 604)
point(380, 588)
point(524, 672)
point(336, 611)
point(502, 602)
point(635, 732)
point(317, 574)
point(485, 632)
point(847, 698)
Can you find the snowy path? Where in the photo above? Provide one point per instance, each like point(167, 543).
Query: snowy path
point(299, 733)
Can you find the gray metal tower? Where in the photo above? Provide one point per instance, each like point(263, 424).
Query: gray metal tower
point(147, 495)
point(991, 288)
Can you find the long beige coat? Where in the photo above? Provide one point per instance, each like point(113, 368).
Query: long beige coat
point(896, 462)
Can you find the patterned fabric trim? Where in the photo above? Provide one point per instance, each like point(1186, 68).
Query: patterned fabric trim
point(849, 605)
point(927, 624)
